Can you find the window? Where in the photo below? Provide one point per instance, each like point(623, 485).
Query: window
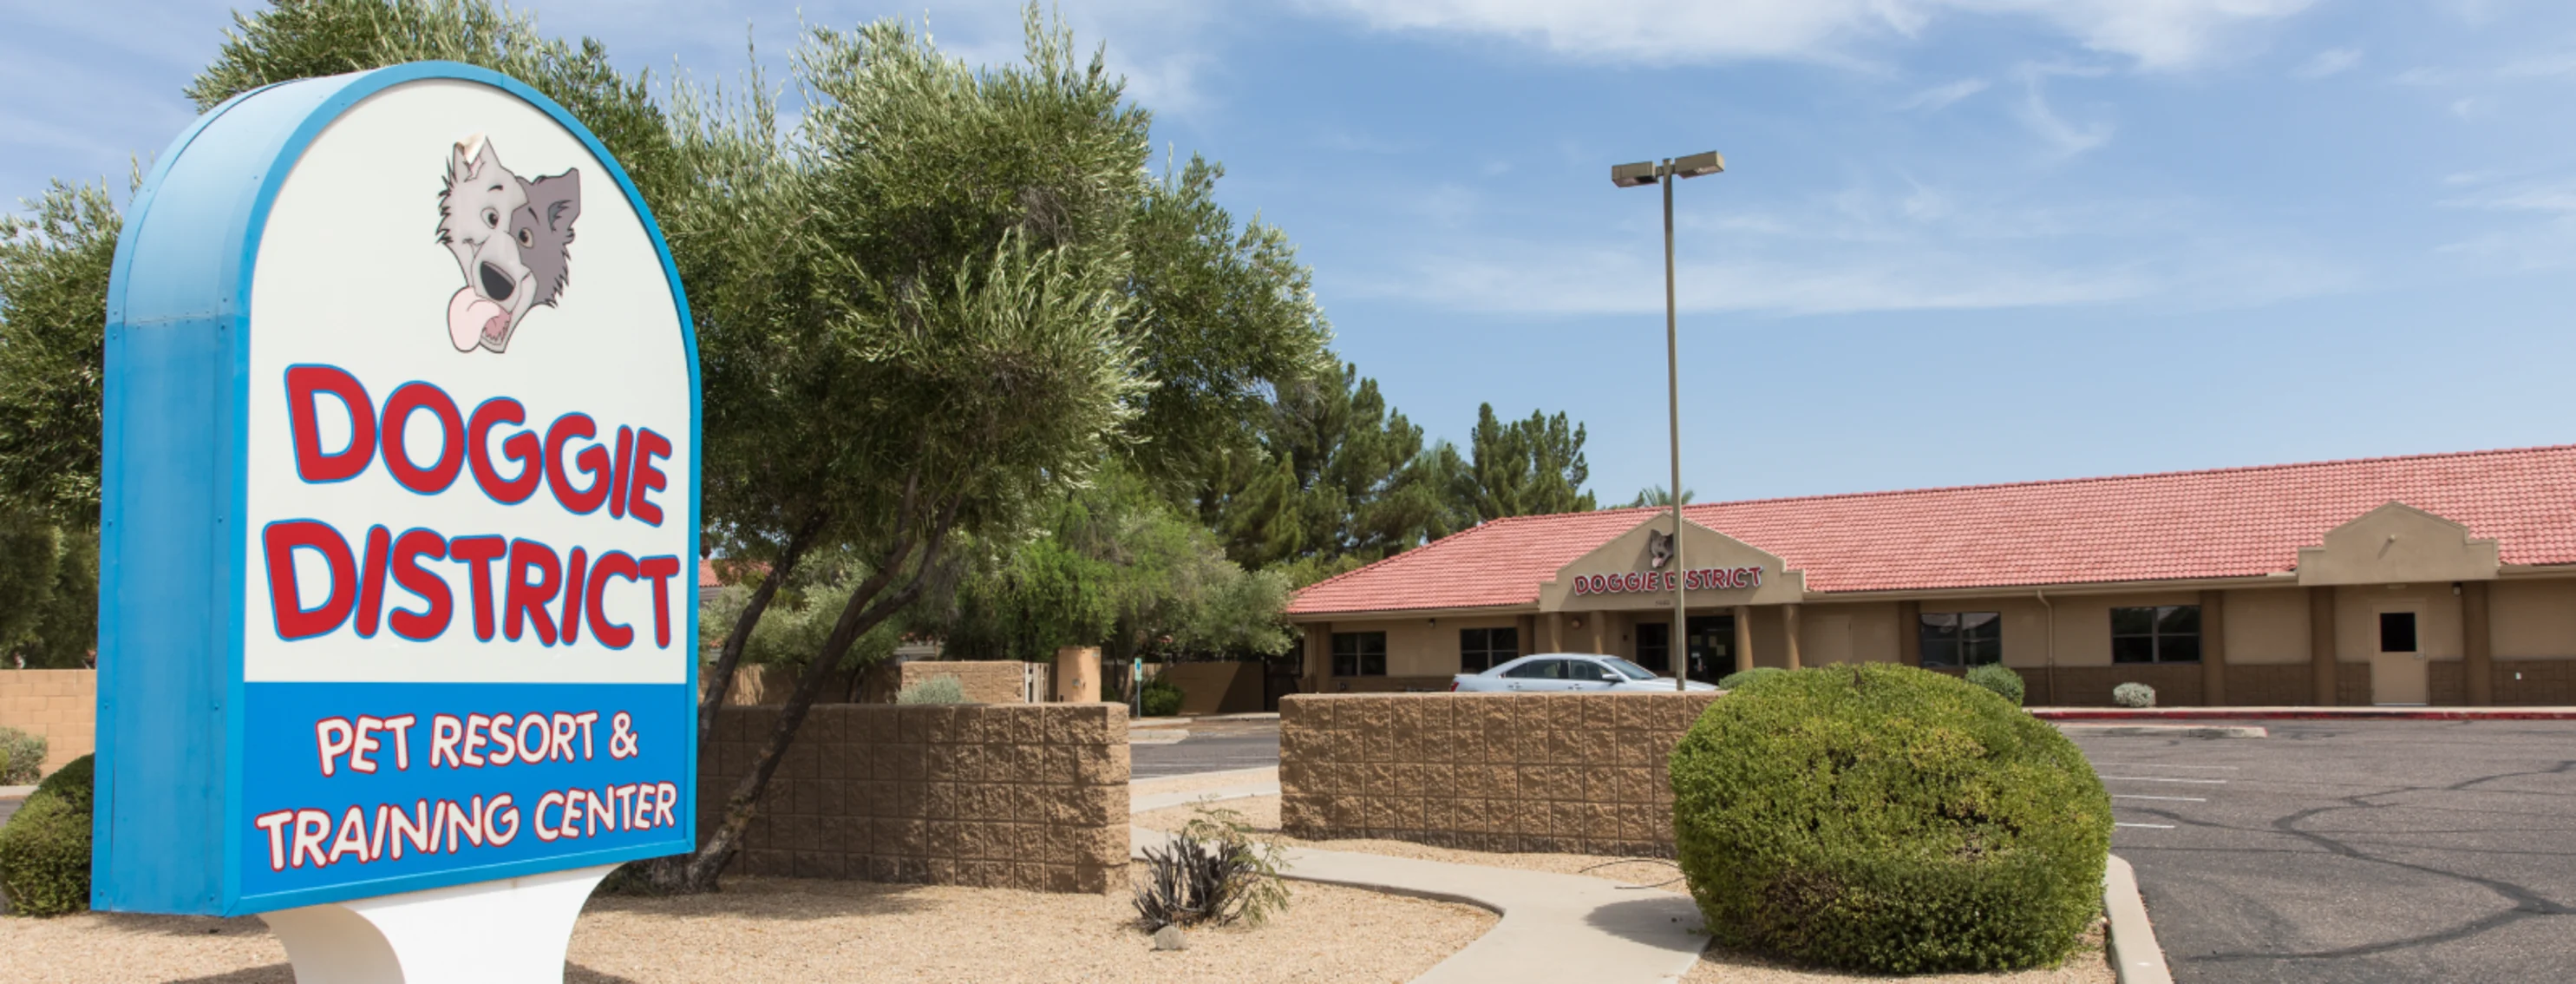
point(1963, 638)
point(2161, 634)
point(1483, 649)
point(1627, 669)
point(2397, 632)
point(1359, 654)
point(1538, 669)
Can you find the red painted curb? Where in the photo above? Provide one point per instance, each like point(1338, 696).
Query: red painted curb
point(2305, 714)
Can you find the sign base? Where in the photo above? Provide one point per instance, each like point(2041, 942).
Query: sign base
point(511, 931)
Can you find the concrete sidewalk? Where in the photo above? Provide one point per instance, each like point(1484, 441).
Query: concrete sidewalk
point(2380, 713)
point(1554, 927)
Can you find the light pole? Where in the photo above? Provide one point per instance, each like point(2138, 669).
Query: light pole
point(1677, 648)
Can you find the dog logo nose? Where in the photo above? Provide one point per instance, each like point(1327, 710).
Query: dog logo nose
point(496, 285)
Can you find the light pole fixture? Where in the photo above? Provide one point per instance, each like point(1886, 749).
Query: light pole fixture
point(1677, 648)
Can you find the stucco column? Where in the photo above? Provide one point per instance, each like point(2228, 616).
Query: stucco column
point(1556, 632)
point(2477, 645)
point(2213, 648)
point(1319, 655)
point(2321, 645)
point(1598, 622)
point(1743, 638)
point(1528, 632)
point(1789, 625)
point(1909, 635)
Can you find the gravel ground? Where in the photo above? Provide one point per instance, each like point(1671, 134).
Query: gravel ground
point(2089, 965)
point(802, 930)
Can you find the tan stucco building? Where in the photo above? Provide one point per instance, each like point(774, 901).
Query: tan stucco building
point(2434, 579)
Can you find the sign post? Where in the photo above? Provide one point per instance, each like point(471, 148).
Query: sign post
point(400, 529)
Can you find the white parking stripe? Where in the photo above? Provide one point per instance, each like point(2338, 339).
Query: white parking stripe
point(2159, 765)
point(2176, 799)
point(2195, 782)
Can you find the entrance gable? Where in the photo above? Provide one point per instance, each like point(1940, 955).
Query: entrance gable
point(2398, 544)
point(1719, 570)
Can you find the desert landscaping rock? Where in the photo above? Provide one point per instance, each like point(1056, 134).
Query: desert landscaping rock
point(1171, 938)
point(761, 930)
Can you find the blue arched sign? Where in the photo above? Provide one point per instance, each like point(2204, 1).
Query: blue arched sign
point(399, 558)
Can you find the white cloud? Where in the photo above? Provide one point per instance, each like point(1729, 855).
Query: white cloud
point(2156, 34)
point(1941, 96)
point(2332, 61)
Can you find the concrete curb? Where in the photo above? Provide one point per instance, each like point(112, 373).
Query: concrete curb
point(1255, 775)
point(2072, 729)
point(1175, 722)
point(2135, 957)
point(1156, 736)
point(2305, 713)
point(1553, 927)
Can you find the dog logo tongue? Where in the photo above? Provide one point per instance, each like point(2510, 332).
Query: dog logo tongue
point(511, 238)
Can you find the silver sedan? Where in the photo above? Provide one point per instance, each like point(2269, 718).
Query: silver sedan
point(1567, 673)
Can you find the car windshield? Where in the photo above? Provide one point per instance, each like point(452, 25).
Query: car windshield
point(1630, 670)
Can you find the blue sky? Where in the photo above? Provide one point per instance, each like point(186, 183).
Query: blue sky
point(1958, 241)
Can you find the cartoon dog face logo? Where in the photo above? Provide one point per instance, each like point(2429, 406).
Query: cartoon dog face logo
point(511, 238)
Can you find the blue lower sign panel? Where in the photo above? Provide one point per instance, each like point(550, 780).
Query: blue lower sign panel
point(404, 781)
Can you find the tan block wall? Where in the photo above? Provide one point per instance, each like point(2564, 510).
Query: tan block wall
point(1492, 772)
point(985, 681)
point(1025, 796)
point(60, 706)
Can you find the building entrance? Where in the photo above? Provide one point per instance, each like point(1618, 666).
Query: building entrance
point(1712, 646)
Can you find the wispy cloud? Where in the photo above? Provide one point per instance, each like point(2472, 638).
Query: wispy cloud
point(2064, 138)
point(1940, 96)
point(2163, 34)
point(2332, 61)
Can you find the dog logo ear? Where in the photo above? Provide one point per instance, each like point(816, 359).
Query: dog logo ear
point(557, 201)
point(468, 158)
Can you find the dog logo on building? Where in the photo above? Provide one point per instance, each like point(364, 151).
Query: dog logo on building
point(1659, 549)
point(511, 237)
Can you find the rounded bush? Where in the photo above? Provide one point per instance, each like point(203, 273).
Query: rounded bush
point(2005, 683)
point(1741, 677)
point(1886, 818)
point(22, 757)
point(942, 689)
point(2134, 695)
point(1162, 698)
point(44, 851)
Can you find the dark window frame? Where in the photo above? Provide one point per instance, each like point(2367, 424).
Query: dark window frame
point(1947, 639)
point(1352, 655)
point(2162, 642)
point(1483, 649)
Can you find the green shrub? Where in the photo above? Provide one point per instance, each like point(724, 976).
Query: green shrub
point(22, 757)
point(936, 690)
point(1742, 677)
point(1162, 698)
point(44, 851)
point(1891, 819)
point(2134, 695)
point(1993, 676)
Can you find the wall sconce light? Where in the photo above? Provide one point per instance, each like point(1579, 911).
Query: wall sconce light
point(1577, 623)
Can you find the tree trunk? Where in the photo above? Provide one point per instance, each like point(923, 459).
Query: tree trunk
point(869, 606)
point(730, 656)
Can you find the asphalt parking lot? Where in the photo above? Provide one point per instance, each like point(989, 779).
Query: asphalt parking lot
point(1213, 746)
point(2362, 851)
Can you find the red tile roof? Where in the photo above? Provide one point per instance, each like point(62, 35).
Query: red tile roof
point(2226, 522)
